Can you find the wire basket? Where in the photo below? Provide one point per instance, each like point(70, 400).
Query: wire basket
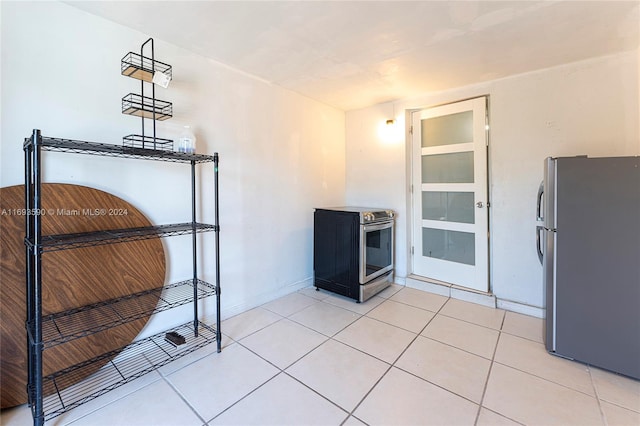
point(139, 142)
point(144, 106)
point(142, 68)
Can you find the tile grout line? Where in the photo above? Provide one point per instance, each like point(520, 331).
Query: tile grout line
point(166, 380)
point(486, 383)
point(360, 304)
point(263, 306)
point(304, 355)
point(286, 373)
point(394, 362)
point(243, 346)
point(595, 391)
point(397, 326)
point(590, 367)
point(451, 345)
point(522, 337)
point(418, 307)
point(436, 385)
point(429, 338)
point(390, 365)
point(502, 415)
point(545, 379)
point(261, 328)
point(243, 397)
point(319, 332)
point(282, 371)
point(500, 331)
point(469, 322)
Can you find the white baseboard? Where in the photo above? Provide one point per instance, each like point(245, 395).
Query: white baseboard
point(400, 280)
point(448, 290)
point(261, 299)
point(521, 308)
point(442, 289)
point(414, 282)
point(485, 299)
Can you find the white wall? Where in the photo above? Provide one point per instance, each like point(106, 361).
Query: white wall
point(590, 107)
point(281, 153)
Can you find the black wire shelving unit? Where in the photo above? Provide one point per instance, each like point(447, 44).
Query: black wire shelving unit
point(57, 393)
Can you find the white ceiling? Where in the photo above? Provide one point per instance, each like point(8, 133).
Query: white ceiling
point(352, 54)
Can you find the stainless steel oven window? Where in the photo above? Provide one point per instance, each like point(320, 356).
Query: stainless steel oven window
point(376, 250)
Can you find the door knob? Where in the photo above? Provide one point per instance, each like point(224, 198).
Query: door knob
point(479, 204)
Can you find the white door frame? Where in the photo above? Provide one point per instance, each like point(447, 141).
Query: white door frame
point(409, 208)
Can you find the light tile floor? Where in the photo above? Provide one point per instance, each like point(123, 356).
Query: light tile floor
point(405, 357)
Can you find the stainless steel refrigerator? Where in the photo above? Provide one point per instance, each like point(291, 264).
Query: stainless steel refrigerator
point(589, 246)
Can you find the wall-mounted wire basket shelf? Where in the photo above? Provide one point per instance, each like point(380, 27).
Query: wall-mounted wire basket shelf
point(142, 68)
point(130, 362)
point(144, 106)
point(137, 142)
point(76, 323)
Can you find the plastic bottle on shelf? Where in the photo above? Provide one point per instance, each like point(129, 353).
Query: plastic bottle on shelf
point(187, 141)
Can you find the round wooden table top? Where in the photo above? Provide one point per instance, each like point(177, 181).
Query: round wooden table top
point(71, 278)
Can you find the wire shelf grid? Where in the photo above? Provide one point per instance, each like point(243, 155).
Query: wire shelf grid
point(132, 361)
point(68, 325)
point(112, 236)
point(111, 150)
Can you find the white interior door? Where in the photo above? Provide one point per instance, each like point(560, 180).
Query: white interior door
point(450, 211)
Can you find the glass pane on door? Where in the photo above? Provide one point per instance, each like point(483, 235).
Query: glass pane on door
point(454, 246)
point(448, 206)
point(447, 129)
point(448, 168)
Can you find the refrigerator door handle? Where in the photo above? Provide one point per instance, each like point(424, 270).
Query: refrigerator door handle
point(539, 216)
point(539, 229)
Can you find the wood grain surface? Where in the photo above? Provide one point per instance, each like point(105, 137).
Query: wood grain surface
point(71, 278)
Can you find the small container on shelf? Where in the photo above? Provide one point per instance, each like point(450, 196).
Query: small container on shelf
point(147, 142)
point(142, 68)
point(187, 141)
point(144, 106)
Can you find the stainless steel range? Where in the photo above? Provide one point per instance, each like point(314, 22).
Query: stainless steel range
point(353, 250)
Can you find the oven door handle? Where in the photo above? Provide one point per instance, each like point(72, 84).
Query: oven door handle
point(377, 226)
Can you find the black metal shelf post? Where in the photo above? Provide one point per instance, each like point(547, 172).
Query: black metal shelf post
point(216, 207)
point(33, 238)
point(194, 248)
point(48, 396)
